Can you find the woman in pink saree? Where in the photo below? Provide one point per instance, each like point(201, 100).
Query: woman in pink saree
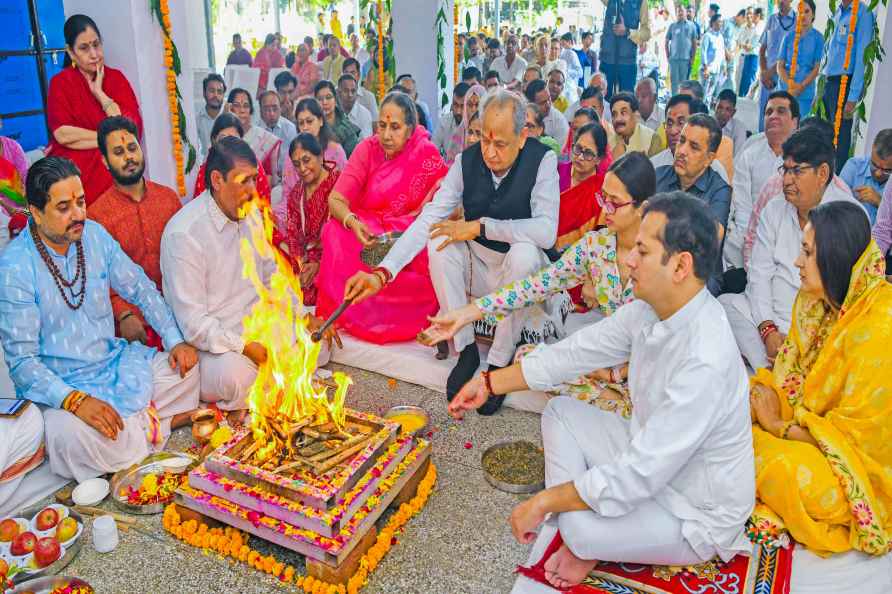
point(388, 179)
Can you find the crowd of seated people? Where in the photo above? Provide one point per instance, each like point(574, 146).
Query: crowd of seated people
point(631, 258)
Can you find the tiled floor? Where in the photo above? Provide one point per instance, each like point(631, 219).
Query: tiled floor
point(460, 543)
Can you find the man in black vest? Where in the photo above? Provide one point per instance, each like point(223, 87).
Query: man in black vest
point(626, 26)
point(508, 187)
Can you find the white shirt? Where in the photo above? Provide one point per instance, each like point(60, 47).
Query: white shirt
point(752, 168)
point(657, 116)
point(201, 270)
point(557, 126)
point(362, 56)
point(736, 131)
point(507, 74)
point(540, 229)
point(691, 449)
point(574, 66)
point(367, 99)
point(445, 130)
point(205, 125)
point(361, 117)
point(772, 278)
point(286, 131)
point(665, 157)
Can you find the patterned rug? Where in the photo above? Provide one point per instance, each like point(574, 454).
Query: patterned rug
point(767, 571)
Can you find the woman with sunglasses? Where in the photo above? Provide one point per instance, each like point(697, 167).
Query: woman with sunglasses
point(595, 267)
point(589, 161)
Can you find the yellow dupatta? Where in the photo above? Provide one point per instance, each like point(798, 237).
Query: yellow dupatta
point(833, 375)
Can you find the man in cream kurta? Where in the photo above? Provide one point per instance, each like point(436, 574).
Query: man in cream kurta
point(675, 485)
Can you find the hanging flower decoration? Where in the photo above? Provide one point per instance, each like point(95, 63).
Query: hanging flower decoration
point(179, 139)
point(844, 83)
point(796, 38)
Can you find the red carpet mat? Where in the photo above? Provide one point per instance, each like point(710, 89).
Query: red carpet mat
point(767, 571)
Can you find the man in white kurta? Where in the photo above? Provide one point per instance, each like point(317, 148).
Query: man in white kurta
point(772, 276)
point(752, 168)
point(201, 265)
point(21, 450)
point(675, 485)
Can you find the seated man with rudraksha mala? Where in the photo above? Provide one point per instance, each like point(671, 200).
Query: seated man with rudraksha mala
point(109, 403)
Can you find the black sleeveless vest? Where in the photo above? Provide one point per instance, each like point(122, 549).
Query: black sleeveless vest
point(511, 200)
point(620, 50)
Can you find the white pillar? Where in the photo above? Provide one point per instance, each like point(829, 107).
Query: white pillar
point(879, 117)
point(133, 43)
point(414, 28)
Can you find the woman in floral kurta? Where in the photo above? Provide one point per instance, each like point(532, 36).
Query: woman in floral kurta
point(591, 263)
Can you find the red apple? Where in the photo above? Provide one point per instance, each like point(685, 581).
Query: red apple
point(23, 544)
point(66, 529)
point(46, 551)
point(47, 519)
point(9, 528)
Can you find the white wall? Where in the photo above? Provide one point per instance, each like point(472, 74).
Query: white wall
point(133, 43)
point(879, 116)
point(415, 46)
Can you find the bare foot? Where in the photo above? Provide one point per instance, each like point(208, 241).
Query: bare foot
point(236, 418)
point(564, 569)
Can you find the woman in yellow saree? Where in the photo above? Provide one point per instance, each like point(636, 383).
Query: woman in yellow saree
point(822, 432)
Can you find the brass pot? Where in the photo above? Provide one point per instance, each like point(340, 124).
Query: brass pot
point(204, 423)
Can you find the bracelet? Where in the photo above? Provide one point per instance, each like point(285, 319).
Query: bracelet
point(73, 401)
point(347, 218)
point(786, 429)
point(386, 277)
point(766, 329)
point(487, 383)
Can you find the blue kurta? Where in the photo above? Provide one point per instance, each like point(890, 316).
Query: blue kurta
point(52, 350)
point(811, 52)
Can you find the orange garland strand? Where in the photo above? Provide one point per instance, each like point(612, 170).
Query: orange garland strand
point(230, 542)
point(844, 83)
point(793, 62)
point(380, 50)
point(456, 46)
point(173, 104)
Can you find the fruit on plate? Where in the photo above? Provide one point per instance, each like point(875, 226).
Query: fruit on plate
point(46, 551)
point(23, 544)
point(9, 529)
point(47, 519)
point(66, 529)
point(4, 569)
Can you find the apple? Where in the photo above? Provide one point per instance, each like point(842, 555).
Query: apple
point(47, 519)
point(66, 529)
point(9, 528)
point(23, 544)
point(46, 551)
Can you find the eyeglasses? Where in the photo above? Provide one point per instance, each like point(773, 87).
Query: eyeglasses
point(241, 105)
point(609, 205)
point(877, 169)
point(796, 171)
point(586, 154)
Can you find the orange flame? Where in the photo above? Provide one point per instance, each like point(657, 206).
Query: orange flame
point(284, 388)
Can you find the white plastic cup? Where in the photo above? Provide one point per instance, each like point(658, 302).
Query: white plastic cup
point(105, 534)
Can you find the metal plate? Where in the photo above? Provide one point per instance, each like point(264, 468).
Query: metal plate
point(372, 255)
point(46, 584)
point(132, 477)
point(503, 486)
point(62, 562)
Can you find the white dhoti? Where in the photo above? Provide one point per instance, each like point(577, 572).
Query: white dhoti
point(227, 378)
point(21, 449)
point(79, 451)
point(746, 329)
point(468, 269)
point(578, 436)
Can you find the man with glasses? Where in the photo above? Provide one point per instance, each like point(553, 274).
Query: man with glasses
point(678, 110)
point(867, 176)
point(760, 317)
point(556, 125)
point(272, 120)
point(692, 173)
point(356, 113)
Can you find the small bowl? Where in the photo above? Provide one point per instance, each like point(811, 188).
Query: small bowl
point(409, 412)
point(204, 423)
point(60, 509)
point(90, 492)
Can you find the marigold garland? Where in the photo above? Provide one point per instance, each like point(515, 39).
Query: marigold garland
point(161, 8)
point(798, 36)
point(844, 83)
point(230, 542)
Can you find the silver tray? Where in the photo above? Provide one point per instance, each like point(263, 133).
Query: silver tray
point(62, 562)
point(132, 477)
point(46, 584)
point(503, 486)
